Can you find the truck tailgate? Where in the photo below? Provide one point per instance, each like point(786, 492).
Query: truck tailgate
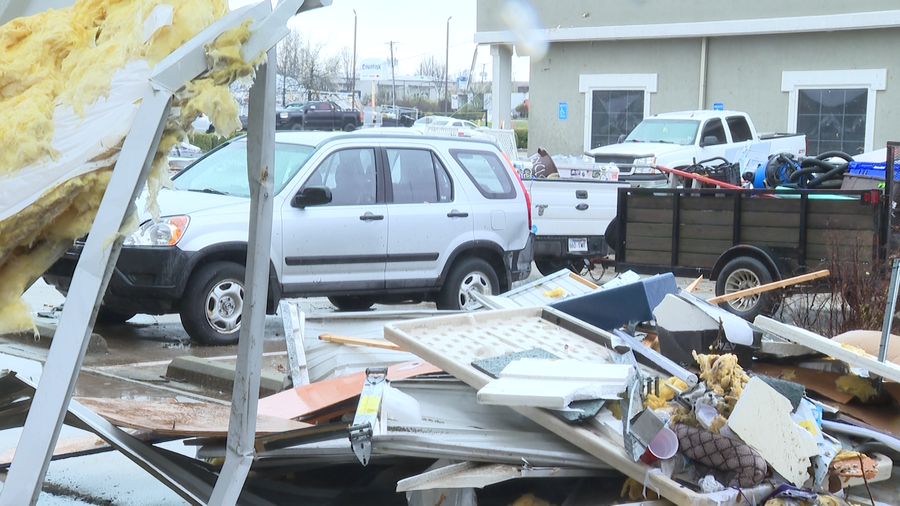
point(572, 207)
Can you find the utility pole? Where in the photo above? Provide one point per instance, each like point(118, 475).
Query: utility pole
point(447, 70)
point(393, 82)
point(353, 79)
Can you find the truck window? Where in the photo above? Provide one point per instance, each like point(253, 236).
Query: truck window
point(740, 129)
point(714, 128)
point(487, 171)
point(349, 174)
point(417, 176)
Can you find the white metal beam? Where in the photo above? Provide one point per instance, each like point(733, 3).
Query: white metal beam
point(261, 174)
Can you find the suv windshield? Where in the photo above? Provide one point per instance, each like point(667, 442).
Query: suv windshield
point(224, 171)
point(672, 131)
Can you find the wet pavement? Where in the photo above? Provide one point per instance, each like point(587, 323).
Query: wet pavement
point(134, 367)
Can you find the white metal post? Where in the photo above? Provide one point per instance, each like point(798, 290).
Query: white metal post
point(51, 400)
point(261, 174)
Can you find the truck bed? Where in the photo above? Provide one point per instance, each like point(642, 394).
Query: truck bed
point(686, 231)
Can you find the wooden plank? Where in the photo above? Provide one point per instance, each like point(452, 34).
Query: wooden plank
point(688, 232)
point(817, 206)
point(706, 203)
point(359, 341)
point(774, 220)
point(758, 205)
point(720, 218)
point(703, 261)
point(649, 216)
point(770, 286)
point(828, 347)
point(317, 396)
point(849, 237)
point(660, 231)
point(583, 281)
point(841, 221)
point(770, 235)
point(705, 246)
point(823, 252)
point(647, 244)
point(693, 286)
point(648, 257)
point(182, 419)
point(648, 202)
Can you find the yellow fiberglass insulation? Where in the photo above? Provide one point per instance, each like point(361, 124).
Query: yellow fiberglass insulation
point(66, 59)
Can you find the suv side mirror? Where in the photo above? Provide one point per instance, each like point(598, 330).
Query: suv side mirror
point(312, 196)
point(709, 140)
point(621, 139)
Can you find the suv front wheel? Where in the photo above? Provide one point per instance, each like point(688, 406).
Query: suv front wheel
point(470, 274)
point(213, 303)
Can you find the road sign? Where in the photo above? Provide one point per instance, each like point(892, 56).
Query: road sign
point(372, 69)
point(563, 111)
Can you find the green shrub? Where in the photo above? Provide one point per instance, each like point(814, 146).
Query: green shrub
point(206, 141)
point(521, 135)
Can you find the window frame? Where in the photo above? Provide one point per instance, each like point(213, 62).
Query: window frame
point(873, 80)
point(588, 83)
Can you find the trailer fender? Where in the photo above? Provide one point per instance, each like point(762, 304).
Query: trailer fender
point(764, 255)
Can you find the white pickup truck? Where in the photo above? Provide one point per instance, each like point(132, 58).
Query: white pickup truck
point(569, 218)
point(679, 139)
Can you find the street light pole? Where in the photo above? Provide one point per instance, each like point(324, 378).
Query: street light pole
point(393, 82)
point(447, 70)
point(353, 79)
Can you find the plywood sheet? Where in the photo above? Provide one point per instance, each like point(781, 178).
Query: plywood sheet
point(453, 342)
point(181, 419)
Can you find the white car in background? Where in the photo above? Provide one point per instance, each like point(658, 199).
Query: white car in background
point(464, 128)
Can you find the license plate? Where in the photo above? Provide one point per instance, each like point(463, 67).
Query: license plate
point(578, 245)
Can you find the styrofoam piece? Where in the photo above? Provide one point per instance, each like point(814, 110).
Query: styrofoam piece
point(453, 342)
point(762, 419)
point(828, 347)
point(544, 393)
point(737, 330)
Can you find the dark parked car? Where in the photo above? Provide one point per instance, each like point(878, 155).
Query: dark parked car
point(318, 116)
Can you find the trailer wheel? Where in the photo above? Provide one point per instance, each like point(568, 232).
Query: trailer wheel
point(742, 273)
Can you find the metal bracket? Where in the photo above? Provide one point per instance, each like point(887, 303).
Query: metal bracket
point(361, 431)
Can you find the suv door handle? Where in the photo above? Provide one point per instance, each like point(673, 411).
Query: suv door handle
point(371, 217)
point(456, 214)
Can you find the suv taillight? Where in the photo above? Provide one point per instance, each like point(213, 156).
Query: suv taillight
point(522, 186)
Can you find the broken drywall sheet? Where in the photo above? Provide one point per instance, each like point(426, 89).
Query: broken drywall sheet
point(762, 419)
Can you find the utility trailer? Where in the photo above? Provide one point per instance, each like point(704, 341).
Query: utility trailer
point(745, 238)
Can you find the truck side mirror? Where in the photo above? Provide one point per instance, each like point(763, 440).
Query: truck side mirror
point(621, 139)
point(312, 196)
point(709, 140)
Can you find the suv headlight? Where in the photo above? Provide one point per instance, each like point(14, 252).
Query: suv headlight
point(166, 232)
point(643, 165)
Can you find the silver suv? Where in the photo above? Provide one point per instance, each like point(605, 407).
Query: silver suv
point(358, 218)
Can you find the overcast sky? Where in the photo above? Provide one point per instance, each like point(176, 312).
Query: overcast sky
point(418, 28)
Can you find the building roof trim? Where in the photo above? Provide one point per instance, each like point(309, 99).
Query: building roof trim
point(723, 28)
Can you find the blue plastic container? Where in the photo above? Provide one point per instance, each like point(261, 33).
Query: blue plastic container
point(872, 169)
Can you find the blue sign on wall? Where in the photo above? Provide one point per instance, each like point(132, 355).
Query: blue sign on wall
point(563, 110)
point(718, 106)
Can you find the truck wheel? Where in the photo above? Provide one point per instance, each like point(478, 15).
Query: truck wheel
point(467, 274)
point(742, 273)
point(108, 316)
point(349, 127)
point(549, 266)
point(297, 126)
point(351, 302)
point(213, 303)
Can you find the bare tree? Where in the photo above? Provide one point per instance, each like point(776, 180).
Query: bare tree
point(288, 64)
point(430, 67)
point(345, 64)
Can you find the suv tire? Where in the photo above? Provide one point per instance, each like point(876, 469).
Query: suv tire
point(467, 274)
point(213, 303)
point(351, 302)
